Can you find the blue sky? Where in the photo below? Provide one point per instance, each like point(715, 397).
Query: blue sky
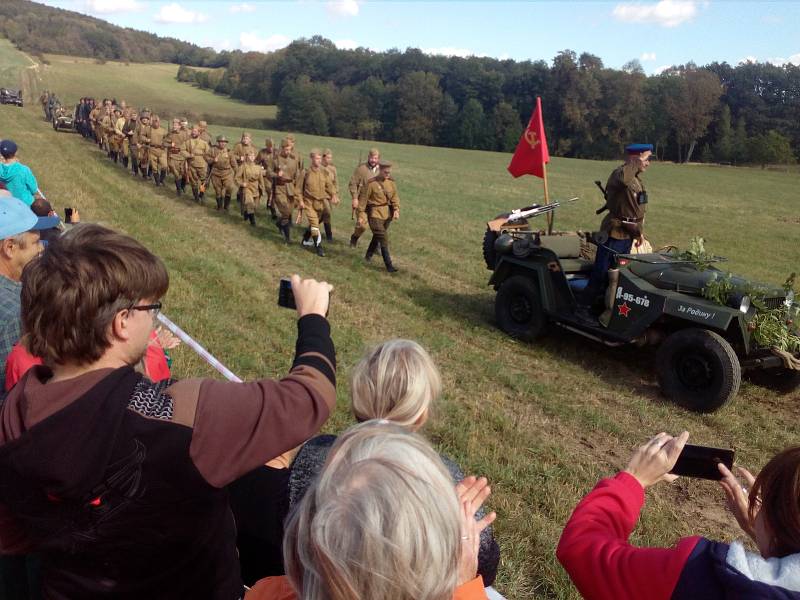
point(658, 33)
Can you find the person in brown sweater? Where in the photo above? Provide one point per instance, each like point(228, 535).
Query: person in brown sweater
point(117, 483)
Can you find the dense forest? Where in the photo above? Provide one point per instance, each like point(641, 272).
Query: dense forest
point(744, 114)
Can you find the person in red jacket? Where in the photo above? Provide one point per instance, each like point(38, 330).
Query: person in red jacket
point(603, 565)
point(383, 521)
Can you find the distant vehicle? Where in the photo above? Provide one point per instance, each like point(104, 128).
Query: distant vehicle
point(9, 96)
point(657, 300)
point(63, 120)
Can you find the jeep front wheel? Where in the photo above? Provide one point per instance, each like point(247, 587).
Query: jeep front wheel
point(698, 369)
point(518, 308)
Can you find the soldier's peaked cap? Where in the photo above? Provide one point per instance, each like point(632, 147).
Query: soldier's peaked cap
point(638, 148)
point(222, 138)
point(385, 164)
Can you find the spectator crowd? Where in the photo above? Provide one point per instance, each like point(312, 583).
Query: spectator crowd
point(118, 481)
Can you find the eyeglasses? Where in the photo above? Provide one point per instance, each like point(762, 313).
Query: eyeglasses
point(154, 307)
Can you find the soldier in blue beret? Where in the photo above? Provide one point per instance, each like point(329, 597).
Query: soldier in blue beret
point(626, 200)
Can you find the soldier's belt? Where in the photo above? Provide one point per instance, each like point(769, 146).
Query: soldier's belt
point(156, 146)
point(308, 196)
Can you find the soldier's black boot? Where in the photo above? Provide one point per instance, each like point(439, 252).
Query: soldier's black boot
point(328, 232)
point(320, 251)
point(155, 177)
point(373, 245)
point(196, 195)
point(286, 234)
point(219, 203)
point(252, 218)
point(227, 202)
point(353, 241)
point(273, 213)
point(178, 189)
point(200, 197)
point(161, 177)
point(114, 156)
point(125, 161)
point(387, 260)
point(135, 168)
point(307, 238)
point(183, 184)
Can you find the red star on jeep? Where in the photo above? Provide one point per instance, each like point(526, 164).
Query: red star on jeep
point(624, 309)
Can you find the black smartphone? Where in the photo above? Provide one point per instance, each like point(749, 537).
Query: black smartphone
point(68, 215)
point(285, 294)
point(702, 461)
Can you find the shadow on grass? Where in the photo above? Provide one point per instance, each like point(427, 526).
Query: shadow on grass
point(627, 366)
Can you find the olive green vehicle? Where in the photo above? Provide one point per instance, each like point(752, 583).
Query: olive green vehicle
point(702, 347)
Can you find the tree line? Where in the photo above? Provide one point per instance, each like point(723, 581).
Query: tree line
point(744, 114)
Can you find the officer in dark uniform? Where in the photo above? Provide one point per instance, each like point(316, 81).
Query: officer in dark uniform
point(626, 200)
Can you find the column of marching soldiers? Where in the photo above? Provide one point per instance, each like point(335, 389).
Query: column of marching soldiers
point(137, 140)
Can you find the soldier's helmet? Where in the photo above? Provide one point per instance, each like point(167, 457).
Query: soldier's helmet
point(221, 138)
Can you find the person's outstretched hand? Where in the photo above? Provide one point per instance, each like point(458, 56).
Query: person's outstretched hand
point(653, 461)
point(472, 492)
point(311, 297)
point(737, 496)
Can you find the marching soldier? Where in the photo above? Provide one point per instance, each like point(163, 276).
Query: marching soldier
point(157, 152)
point(129, 130)
point(185, 130)
point(250, 179)
point(265, 159)
point(293, 151)
point(244, 146)
point(142, 138)
point(287, 183)
point(120, 141)
point(381, 206)
point(316, 197)
point(223, 171)
point(327, 163)
point(94, 122)
point(106, 129)
point(204, 135)
point(358, 187)
point(194, 150)
point(176, 161)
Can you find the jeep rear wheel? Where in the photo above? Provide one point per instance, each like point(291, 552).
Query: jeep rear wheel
point(518, 308)
point(698, 369)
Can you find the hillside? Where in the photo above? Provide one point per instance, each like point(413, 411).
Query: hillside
point(147, 84)
point(542, 421)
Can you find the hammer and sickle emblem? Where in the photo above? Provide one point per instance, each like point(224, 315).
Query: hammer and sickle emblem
point(530, 137)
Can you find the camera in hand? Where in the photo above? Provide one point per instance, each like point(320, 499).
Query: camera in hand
point(702, 461)
point(285, 294)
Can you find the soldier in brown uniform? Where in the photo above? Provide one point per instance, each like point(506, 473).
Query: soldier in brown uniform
point(116, 137)
point(626, 200)
point(327, 164)
point(293, 151)
point(204, 135)
point(381, 206)
point(223, 171)
point(94, 122)
point(244, 146)
point(195, 150)
point(265, 159)
point(142, 139)
point(185, 130)
point(129, 129)
point(358, 187)
point(250, 179)
point(287, 185)
point(173, 142)
point(315, 203)
point(119, 130)
point(156, 151)
point(106, 129)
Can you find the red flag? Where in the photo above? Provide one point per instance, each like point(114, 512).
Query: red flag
point(531, 154)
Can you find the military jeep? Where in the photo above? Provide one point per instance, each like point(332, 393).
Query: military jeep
point(9, 96)
point(63, 120)
point(702, 347)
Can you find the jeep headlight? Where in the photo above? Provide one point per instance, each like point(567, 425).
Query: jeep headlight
point(744, 305)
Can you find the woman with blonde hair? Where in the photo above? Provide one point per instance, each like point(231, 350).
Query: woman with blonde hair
point(396, 381)
point(382, 521)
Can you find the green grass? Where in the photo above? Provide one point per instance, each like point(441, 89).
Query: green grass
point(542, 421)
point(150, 84)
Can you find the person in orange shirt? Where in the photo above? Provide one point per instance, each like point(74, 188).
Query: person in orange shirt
point(358, 532)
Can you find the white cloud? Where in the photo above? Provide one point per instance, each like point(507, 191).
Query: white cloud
point(112, 6)
point(794, 59)
point(252, 42)
point(451, 51)
point(667, 13)
point(217, 45)
point(346, 44)
point(242, 7)
point(344, 8)
point(661, 69)
point(175, 13)
point(648, 56)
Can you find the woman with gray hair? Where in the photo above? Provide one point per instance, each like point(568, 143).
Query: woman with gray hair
point(383, 521)
point(397, 381)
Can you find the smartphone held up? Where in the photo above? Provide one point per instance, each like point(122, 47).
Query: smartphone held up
point(701, 462)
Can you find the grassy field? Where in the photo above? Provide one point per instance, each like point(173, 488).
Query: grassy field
point(152, 85)
point(542, 421)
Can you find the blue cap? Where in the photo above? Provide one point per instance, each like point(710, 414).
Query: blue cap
point(16, 217)
point(8, 148)
point(638, 148)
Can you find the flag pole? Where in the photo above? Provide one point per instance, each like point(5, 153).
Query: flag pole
point(547, 199)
